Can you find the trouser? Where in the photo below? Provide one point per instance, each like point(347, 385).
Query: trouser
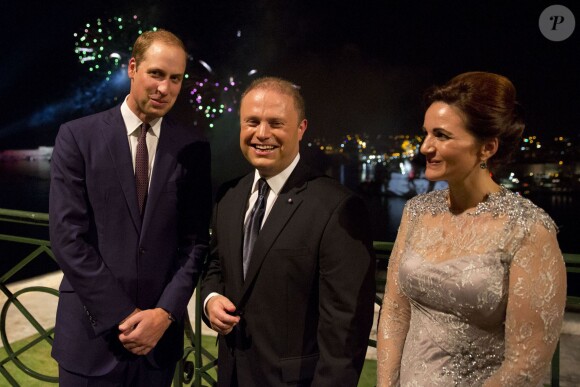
point(136, 372)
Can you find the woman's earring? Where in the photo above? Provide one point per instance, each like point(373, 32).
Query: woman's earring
point(483, 165)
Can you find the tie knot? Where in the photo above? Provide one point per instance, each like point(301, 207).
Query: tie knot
point(262, 187)
point(144, 129)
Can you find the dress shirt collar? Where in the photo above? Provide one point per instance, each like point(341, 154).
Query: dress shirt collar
point(132, 122)
point(277, 182)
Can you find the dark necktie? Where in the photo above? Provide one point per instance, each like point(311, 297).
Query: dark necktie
point(252, 226)
point(142, 168)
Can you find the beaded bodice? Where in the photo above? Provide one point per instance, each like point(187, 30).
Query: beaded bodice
point(471, 298)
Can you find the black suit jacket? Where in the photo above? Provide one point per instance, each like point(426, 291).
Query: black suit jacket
point(307, 302)
point(112, 261)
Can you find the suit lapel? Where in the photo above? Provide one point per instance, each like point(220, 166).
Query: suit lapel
point(115, 136)
point(165, 162)
point(234, 212)
point(284, 208)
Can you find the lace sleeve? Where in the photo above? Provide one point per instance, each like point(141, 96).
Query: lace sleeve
point(394, 317)
point(535, 309)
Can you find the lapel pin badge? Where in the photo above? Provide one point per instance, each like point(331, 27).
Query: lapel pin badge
point(290, 200)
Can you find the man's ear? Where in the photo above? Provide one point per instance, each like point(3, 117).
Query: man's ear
point(132, 68)
point(302, 128)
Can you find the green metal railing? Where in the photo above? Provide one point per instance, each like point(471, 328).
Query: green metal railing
point(195, 371)
point(188, 370)
point(37, 248)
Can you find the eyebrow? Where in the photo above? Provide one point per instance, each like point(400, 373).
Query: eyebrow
point(159, 70)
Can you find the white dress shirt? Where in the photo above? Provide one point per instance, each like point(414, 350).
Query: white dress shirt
point(276, 183)
point(133, 127)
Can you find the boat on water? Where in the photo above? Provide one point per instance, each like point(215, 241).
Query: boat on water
point(406, 185)
point(409, 181)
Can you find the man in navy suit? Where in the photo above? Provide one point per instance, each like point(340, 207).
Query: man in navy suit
point(130, 202)
point(295, 307)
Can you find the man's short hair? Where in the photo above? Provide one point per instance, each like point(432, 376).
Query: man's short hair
point(282, 86)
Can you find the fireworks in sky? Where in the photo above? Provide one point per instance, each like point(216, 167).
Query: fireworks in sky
point(104, 48)
point(209, 95)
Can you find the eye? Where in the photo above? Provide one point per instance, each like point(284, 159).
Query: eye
point(440, 135)
point(276, 124)
point(252, 122)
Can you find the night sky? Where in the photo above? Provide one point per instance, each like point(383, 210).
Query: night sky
point(362, 66)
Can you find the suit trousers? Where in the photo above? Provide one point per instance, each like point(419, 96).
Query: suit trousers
point(136, 372)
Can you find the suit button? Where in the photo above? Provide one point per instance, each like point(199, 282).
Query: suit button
point(141, 251)
point(92, 320)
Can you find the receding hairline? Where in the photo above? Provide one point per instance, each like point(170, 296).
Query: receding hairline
point(148, 38)
point(280, 86)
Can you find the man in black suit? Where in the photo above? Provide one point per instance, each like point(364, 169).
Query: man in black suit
point(293, 305)
point(130, 203)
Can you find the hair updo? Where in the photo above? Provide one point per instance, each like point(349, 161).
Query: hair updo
point(488, 106)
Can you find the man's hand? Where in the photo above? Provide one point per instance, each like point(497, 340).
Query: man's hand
point(220, 312)
point(137, 310)
point(141, 331)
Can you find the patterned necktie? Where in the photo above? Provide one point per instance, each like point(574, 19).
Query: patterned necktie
point(254, 222)
point(142, 168)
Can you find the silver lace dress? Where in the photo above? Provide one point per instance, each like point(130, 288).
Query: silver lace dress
point(472, 299)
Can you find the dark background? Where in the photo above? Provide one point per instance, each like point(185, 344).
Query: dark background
point(362, 66)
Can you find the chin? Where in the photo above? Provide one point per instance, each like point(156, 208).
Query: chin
point(433, 177)
point(259, 165)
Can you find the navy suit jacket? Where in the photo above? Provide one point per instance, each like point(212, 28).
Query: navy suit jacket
point(307, 301)
point(114, 261)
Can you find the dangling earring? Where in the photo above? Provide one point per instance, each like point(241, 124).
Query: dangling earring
point(483, 165)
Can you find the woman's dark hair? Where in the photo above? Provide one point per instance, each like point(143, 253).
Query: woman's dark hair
point(487, 103)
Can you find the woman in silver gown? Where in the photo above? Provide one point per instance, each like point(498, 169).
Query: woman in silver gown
point(476, 285)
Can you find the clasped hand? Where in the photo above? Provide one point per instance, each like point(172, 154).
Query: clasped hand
point(142, 330)
point(220, 313)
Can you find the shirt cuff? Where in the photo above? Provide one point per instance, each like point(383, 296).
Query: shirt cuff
point(212, 294)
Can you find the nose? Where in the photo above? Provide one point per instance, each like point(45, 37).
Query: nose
point(163, 86)
point(263, 131)
point(427, 145)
